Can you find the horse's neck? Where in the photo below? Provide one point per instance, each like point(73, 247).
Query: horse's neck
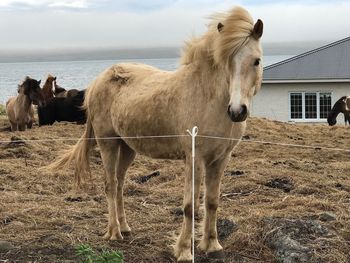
point(206, 96)
point(210, 85)
point(347, 104)
point(48, 86)
point(24, 101)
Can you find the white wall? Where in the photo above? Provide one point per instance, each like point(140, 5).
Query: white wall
point(272, 101)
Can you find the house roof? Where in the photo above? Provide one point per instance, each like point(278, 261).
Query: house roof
point(329, 63)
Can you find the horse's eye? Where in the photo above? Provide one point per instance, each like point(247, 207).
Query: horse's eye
point(257, 62)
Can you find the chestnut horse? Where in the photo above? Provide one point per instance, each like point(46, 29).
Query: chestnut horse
point(212, 89)
point(20, 109)
point(341, 106)
point(48, 88)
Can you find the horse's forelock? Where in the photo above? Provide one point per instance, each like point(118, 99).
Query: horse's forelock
point(237, 30)
point(227, 33)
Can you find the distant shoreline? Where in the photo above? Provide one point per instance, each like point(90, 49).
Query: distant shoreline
point(47, 55)
point(87, 55)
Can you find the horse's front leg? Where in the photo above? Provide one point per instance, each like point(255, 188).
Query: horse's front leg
point(13, 126)
point(183, 244)
point(347, 118)
point(209, 242)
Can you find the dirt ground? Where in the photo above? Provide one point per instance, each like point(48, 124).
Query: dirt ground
point(46, 219)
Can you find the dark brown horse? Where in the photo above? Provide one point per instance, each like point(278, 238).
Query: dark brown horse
point(63, 93)
point(341, 106)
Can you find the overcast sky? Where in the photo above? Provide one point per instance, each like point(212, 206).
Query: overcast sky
point(51, 24)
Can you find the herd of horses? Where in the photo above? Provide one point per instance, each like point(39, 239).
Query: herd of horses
point(58, 104)
point(213, 88)
point(54, 104)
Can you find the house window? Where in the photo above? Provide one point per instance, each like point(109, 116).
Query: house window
point(296, 107)
point(325, 104)
point(310, 106)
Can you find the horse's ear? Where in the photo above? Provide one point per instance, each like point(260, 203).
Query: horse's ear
point(258, 29)
point(220, 26)
point(39, 81)
point(54, 78)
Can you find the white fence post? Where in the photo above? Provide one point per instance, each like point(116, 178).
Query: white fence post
point(193, 135)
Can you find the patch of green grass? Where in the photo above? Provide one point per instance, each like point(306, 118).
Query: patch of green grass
point(88, 255)
point(2, 110)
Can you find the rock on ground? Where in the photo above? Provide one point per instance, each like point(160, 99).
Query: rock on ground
point(291, 238)
point(5, 246)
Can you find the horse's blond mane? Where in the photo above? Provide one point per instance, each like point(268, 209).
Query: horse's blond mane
point(216, 47)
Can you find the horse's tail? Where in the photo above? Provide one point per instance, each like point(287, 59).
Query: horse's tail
point(78, 155)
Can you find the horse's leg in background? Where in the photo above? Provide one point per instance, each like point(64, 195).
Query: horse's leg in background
point(126, 157)
point(22, 126)
point(109, 153)
point(31, 118)
point(13, 126)
point(209, 242)
point(30, 124)
point(183, 244)
point(199, 174)
point(347, 118)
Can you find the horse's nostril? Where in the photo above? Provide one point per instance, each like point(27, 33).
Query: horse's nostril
point(244, 110)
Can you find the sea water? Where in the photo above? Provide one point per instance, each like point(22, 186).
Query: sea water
point(76, 74)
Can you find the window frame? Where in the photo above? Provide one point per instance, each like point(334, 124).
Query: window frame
point(318, 109)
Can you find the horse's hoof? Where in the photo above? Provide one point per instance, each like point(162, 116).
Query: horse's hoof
point(107, 236)
point(126, 233)
point(112, 237)
point(185, 256)
point(216, 254)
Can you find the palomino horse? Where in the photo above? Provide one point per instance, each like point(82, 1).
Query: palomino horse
point(341, 106)
point(20, 109)
point(48, 88)
point(220, 73)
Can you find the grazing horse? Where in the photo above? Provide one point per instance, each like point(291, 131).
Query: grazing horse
point(20, 109)
point(63, 109)
point(212, 89)
point(48, 88)
point(341, 106)
point(63, 93)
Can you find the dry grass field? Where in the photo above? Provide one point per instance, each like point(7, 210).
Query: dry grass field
point(270, 195)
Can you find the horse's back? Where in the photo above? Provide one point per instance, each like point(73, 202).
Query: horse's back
point(115, 80)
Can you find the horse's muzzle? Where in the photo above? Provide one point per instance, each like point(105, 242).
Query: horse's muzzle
point(239, 115)
point(332, 122)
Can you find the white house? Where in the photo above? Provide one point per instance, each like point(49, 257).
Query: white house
point(304, 88)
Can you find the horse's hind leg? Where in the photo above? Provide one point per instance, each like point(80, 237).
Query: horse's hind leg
point(30, 124)
point(199, 174)
point(109, 150)
point(126, 157)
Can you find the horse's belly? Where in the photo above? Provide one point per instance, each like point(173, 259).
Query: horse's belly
point(158, 148)
point(153, 125)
